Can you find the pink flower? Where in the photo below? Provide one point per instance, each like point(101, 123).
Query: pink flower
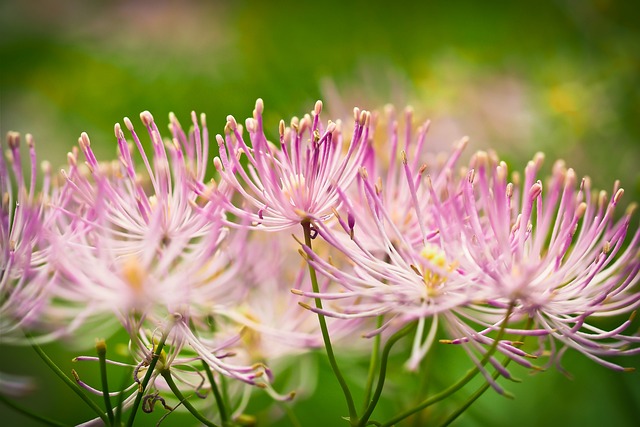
point(136, 249)
point(273, 325)
point(25, 275)
point(397, 279)
point(554, 251)
point(397, 172)
point(158, 205)
point(391, 264)
point(296, 180)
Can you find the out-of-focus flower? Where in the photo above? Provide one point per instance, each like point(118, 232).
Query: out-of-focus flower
point(25, 274)
point(298, 180)
point(14, 385)
point(152, 208)
point(133, 242)
point(560, 260)
point(274, 325)
point(272, 328)
point(138, 249)
point(397, 171)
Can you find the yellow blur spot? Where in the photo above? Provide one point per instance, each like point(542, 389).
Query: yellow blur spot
point(133, 274)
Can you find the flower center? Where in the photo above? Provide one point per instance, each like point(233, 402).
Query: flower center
point(294, 188)
point(133, 274)
point(435, 257)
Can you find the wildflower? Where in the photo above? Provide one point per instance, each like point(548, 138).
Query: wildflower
point(273, 325)
point(137, 249)
point(298, 180)
point(130, 249)
point(396, 279)
point(24, 272)
point(398, 170)
point(559, 260)
point(159, 205)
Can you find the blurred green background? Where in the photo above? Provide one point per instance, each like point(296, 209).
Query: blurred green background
point(558, 76)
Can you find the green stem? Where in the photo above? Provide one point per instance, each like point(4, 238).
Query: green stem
point(373, 363)
point(383, 371)
point(27, 413)
point(166, 374)
point(471, 399)
point(461, 383)
point(290, 414)
point(72, 385)
point(475, 396)
point(224, 388)
point(123, 386)
point(222, 408)
point(353, 416)
point(101, 349)
point(152, 365)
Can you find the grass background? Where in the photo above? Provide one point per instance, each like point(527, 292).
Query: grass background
point(558, 76)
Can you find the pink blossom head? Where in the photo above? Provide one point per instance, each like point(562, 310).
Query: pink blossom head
point(554, 251)
point(25, 213)
point(297, 179)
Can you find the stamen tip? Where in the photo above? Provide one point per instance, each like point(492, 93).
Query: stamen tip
point(146, 118)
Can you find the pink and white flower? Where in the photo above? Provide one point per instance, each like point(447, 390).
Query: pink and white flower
point(559, 257)
point(296, 180)
point(137, 249)
point(25, 214)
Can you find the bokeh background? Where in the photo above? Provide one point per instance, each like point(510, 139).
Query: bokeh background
point(560, 76)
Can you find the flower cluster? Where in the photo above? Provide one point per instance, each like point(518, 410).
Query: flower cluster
point(199, 268)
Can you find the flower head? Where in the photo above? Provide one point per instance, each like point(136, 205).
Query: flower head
point(296, 180)
point(396, 278)
point(25, 275)
point(555, 252)
point(136, 249)
point(397, 172)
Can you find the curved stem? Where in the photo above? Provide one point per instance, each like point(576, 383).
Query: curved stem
point(147, 377)
point(383, 371)
point(222, 408)
point(27, 413)
point(461, 383)
point(353, 416)
point(166, 374)
point(101, 349)
point(475, 396)
point(72, 385)
point(373, 363)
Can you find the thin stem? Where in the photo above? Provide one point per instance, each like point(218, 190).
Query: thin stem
point(290, 414)
point(461, 383)
point(101, 349)
point(27, 413)
point(166, 374)
point(373, 363)
point(475, 396)
point(72, 385)
point(353, 416)
point(224, 389)
point(147, 377)
point(118, 414)
point(383, 371)
point(222, 408)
